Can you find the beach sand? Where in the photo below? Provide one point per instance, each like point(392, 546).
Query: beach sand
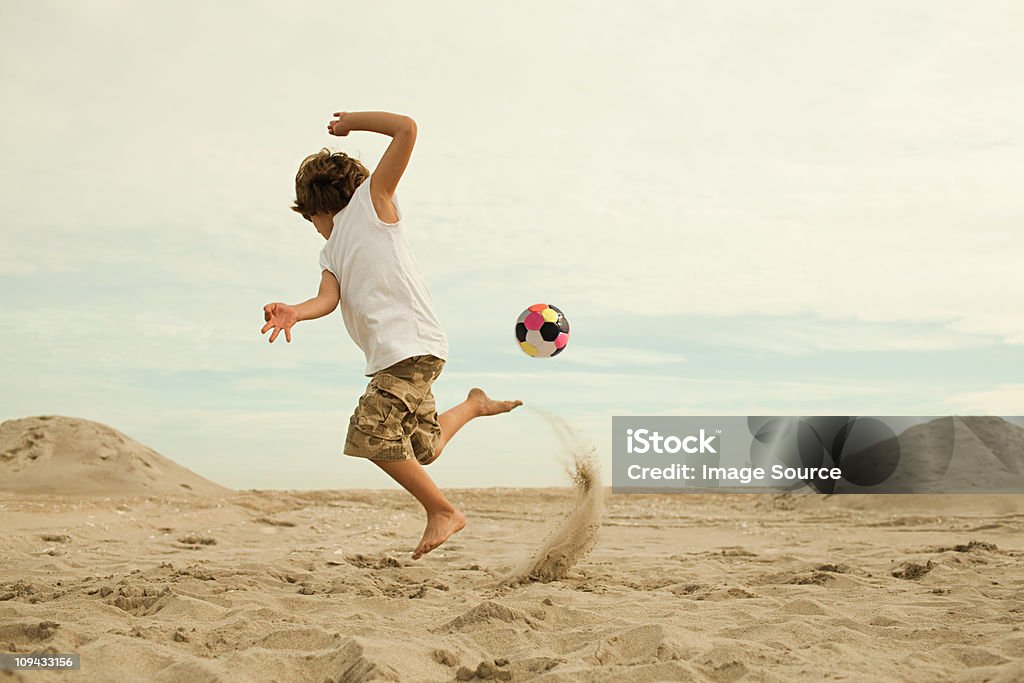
point(319, 586)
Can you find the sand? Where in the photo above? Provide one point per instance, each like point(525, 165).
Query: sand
point(967, 454)
point(319, 585)
point(55, 454)
point(575, 535)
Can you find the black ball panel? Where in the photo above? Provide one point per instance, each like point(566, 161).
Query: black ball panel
point(549, 331)
point(520, 332)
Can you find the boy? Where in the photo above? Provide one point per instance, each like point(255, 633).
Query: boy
point(368, 267)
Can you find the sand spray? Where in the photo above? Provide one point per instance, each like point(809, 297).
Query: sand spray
point(575, 534)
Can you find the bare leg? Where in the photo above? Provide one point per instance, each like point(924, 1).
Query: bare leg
point(443, 519)
point(477, 404)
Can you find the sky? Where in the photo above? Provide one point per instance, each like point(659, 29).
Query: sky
point(796, 207)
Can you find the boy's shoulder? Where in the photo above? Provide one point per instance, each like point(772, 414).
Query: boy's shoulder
point(363, 207)
point(382, 209)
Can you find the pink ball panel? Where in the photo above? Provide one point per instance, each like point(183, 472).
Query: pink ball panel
point(534, 321)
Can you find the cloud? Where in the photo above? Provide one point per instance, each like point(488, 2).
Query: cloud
point(608, 357)
point(798, 212)
point(792, 335)
point(1002, 399)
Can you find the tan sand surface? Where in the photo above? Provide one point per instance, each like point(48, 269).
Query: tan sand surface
point(215, 585)
point(316, 586)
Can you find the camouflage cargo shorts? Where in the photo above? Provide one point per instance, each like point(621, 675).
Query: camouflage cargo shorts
point(396, 418)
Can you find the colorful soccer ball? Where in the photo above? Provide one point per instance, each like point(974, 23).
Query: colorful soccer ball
point(542, 331)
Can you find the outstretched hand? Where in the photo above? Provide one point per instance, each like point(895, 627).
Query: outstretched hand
point(338, 126)
point(279, 317)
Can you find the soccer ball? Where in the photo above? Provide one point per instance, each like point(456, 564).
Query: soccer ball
point(542, 331)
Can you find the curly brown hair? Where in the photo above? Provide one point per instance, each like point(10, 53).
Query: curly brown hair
point(326, 181)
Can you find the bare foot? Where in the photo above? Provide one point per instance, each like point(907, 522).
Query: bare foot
point(440, 527)
point(487, 405)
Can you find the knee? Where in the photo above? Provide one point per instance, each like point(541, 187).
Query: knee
point(433, 457)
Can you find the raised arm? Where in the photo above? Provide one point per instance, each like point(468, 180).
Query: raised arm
point(279, 316)
point(385, 177)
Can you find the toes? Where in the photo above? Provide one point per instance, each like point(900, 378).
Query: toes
point(423, 548)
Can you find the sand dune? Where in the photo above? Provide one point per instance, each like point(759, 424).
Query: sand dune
point(319, 586)
point(946, 455)
point(52, 454)
point(1004, 440)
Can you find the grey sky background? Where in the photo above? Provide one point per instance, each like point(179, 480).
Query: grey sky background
point(743, 208)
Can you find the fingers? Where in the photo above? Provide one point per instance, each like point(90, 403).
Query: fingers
point(266, 327)
point(273, 336)
point(288, 334)
point(337, 130)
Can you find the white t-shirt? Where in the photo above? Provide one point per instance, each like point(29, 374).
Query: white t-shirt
point(385, 302)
